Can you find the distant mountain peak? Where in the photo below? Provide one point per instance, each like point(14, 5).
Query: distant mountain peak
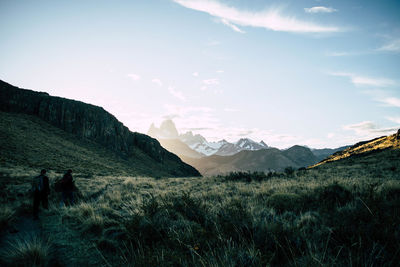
point(263, 143)
point(200, 144)
point(167, 130)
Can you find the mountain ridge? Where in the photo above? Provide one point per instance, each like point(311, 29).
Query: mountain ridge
point(264, 160)
point(87, 121)
point(363, 148)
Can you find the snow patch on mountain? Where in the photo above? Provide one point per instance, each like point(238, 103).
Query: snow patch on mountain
point(200, 144)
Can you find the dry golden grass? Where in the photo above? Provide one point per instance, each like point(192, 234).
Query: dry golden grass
point(382, 143)
point(320, 217)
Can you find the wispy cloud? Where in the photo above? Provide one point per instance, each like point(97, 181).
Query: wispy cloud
point(231, 110)
point(232, 26)
point(320, 9)
point(392, 46)
point(348, 53)
point(134, 76)
point(175, 93)
point(195, 74)
point(391, 101)
point(271, 19)
point(394, 119)
point(338, 54)
point(213, 43)
point(220, 71)
point(369, 129)
point(157, 81)
point(211, 81)
point(384, 97)
point(364, 80)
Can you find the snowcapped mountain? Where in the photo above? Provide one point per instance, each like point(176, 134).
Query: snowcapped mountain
point(200, 144)
point(243, 144)
point(208, 148)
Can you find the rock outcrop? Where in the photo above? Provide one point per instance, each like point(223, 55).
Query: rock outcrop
point(87, 122)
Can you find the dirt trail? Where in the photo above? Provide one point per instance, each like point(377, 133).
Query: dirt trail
point(50, 226)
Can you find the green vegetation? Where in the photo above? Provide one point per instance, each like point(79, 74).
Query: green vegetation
point(28, 141)
point(324, 216)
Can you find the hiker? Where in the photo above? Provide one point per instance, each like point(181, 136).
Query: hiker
point(67, 188)
point(41, 190)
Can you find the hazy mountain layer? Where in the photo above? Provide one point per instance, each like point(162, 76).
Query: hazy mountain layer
point(270, 159)
point(179, 148)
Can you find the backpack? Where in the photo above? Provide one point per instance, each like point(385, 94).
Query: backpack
point(58, 185)
point(36, 183)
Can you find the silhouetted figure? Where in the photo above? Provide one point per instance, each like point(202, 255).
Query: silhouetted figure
point(41, 190)
point(67, 188)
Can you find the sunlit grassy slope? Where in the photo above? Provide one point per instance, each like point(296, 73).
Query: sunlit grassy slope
point(30, 142)
point(380, 149)
point(331, 215)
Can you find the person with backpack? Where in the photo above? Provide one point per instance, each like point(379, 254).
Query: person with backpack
point(67, 188)
point(41, 190)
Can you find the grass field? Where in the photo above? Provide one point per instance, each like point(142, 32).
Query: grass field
point(319, 217)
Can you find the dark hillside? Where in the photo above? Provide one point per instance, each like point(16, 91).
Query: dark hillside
point(90, 124)
point(300, 155)
point(323, 153)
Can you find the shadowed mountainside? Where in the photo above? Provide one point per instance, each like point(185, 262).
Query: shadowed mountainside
point(93, 124)
point(323, 153)
point(260, 160)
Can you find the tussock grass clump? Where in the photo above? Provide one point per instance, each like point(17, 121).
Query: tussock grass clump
point(28, 251)
point(235, 220)
point(94, 224)
point(389, 191)
point(332, 194)
point(285, 202)
point(7, 216)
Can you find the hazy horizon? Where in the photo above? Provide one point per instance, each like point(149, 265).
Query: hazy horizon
point(315, 73)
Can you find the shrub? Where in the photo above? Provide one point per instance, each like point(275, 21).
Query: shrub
point(189, 207)
point(27, 251)
point(389, 191)
point(331, 195)
point(107, 245)
point(235, 220)
point(285, 201)
point(289, 171)
point(246, 176)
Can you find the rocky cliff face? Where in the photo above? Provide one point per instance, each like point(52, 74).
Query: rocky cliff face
point(87, 122)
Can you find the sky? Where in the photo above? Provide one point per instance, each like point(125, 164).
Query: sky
point(318, 73)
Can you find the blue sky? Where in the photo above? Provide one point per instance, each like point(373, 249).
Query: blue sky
point(317, 73)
